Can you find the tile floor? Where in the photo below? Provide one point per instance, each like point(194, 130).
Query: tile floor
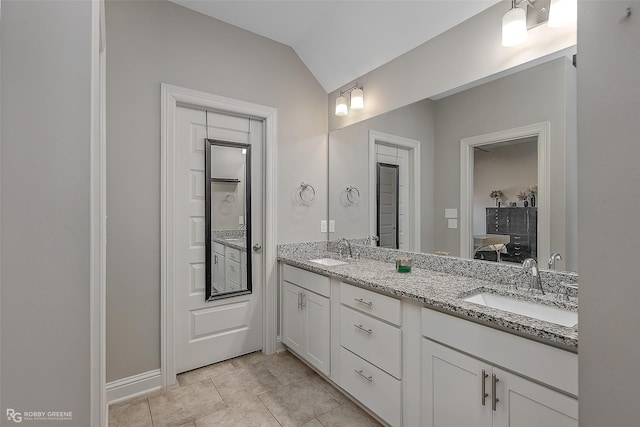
point(254, 390)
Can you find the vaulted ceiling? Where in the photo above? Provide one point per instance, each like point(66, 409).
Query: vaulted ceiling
point(340, 40)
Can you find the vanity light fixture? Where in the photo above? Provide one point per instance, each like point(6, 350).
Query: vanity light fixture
point(356, 94)
point(527, 14)
point(514, 26)
point(562, 13)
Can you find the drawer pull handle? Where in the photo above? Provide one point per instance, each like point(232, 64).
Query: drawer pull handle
point(494, 398)
point(369, 331)
point(362, 374)
point(484, 387)
point(361, 301)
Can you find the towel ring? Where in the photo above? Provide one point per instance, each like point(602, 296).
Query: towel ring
point(353, 199)
point(228, 200)
point(303, 190)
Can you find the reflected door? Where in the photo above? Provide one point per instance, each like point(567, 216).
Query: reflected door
point(387, 197)
point(208, 330)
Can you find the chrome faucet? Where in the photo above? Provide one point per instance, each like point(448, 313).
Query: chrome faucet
point(552, 260)
point(348, 245)
point(531, 266)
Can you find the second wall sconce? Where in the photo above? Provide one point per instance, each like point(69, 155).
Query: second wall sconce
point(356, 94)
point(526, 14)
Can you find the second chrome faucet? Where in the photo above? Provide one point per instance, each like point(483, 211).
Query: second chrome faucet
point(531, 266)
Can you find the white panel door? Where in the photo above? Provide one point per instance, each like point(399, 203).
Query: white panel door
point(208, 332)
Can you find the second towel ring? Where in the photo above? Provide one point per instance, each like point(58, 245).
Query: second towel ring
point(303, 190)
point(353, 194)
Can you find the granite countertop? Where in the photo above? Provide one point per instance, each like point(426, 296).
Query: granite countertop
point(444, 292)
point(235, 243)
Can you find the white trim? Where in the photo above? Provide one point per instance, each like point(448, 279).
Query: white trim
point(543, 132)
point(171, 96)
point(97, 218)
point(413, 146)
point(134, 386)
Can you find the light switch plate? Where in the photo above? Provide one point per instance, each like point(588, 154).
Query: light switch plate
point(323, 226)
point(332, 226)
point(453, 223)
point(451, 213)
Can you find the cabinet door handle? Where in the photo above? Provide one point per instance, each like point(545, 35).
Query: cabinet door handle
point(302, 298)
point(369, 331)
point(363, 375)
point(494, 398)
point(361, 301)
point(299, 300)
point(484, 387)
point(215, 259)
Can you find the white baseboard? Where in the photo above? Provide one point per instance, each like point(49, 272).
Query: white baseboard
point(130, 387)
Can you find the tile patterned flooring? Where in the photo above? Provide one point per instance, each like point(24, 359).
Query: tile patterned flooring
point(254, 390)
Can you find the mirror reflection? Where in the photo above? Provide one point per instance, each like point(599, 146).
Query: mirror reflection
point(227, 201)
point(514, 135)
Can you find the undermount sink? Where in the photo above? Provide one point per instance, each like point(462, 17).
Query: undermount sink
point(543, 312)
point(328, 262)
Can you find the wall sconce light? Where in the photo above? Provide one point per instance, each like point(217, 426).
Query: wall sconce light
point(516, 22)
point(356, 94)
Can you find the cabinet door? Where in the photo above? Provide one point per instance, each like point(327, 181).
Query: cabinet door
point(524, 403)
point(293, 319)
point(318, 326)
point(218, 274)
point(452, 386)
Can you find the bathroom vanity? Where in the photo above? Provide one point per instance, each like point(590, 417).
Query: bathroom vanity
point(415, 350)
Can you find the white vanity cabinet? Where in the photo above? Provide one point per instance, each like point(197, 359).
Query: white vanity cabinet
point(371, 350)
point(218, 274)
point(459, 389)
point(306, 316)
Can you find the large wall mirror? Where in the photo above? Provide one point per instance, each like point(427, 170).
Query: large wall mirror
point(227, 219)
point(486, 172)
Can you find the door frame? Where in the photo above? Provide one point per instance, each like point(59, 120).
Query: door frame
point(543, 132)
point(171, 97)
point(413, 146)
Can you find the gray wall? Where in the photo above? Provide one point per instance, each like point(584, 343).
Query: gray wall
point(609, 212)
point(153, 42)
point(44, 172)
point(349, 165)
point(530, 96)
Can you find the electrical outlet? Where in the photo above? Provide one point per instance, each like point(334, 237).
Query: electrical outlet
point(332, 226)
point(453, 223)
point(451, 213)
point(323, 226)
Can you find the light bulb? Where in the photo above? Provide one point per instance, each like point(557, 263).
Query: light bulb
point(357, 99)
point(562, 13)
point(341, 106)
point(514, 27)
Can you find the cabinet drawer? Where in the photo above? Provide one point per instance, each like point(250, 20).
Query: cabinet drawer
point(218, 247)
point(376, 389)
point(308, 280)
point(233, 253)
point(233, 272)
point(371, 339)
point(378, 305)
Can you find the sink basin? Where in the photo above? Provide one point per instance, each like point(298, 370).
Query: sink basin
point(328, 262)
point(543, 312)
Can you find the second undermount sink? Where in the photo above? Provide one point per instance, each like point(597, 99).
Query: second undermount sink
point(543, 312)
point(327, 262)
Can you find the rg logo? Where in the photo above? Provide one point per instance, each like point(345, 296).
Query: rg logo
point(14, 416)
